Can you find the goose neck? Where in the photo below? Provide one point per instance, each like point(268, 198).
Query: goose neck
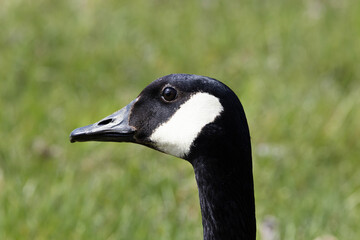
point(226, 196)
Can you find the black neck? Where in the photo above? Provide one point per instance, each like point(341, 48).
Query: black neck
point(226, 191)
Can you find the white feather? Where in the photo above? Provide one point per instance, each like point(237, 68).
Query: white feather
point(176, 136)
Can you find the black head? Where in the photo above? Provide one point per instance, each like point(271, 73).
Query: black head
point(178, 114)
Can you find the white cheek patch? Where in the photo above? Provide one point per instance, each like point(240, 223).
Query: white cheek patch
point(177, 134)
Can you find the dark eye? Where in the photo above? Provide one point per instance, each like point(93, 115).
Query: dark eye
point(169, 94)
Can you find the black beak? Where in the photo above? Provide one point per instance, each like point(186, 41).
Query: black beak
point(114, 128)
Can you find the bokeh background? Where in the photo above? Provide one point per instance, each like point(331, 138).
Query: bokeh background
point(295, 65)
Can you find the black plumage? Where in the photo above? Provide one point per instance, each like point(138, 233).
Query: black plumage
point(220, 154)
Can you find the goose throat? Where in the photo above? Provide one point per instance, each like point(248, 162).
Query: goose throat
point(176, 135)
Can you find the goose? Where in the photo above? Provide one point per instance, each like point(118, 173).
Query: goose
point(201, 120)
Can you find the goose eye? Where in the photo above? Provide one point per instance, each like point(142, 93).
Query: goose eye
point(169, 94)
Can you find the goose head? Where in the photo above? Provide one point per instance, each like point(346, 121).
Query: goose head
point(169, 115)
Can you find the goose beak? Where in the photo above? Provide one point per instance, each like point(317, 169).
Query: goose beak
point(113, 128)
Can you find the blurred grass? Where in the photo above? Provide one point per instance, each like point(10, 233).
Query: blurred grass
point(64, 64)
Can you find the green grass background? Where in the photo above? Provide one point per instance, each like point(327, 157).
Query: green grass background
point(295, 65)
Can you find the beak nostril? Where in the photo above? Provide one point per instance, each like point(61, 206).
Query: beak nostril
point(106, 121)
